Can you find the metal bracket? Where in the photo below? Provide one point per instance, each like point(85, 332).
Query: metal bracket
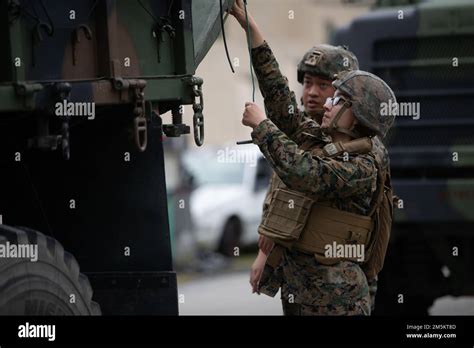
point(140, 122)
point(63, 91)
point(198, 107)
point(163, 26)
point(140, 133)
point(177, 128)
point(76, 39)
point(43, 139)
point(136, 88)
point(38, 38)
point(28, 91)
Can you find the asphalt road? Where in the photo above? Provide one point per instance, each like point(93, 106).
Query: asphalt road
point(226, 294)
point(230, 294)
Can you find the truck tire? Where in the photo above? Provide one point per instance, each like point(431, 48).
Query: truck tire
point(52, 285)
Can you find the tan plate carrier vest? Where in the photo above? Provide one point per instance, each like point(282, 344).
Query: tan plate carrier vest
point(298, 221)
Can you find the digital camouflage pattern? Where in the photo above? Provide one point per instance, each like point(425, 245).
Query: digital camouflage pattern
point(280, 101)
point(281, 138)
point(368, 93)
point(317, 289)
point(328, 177)
point(326, 61)
point(350, 189)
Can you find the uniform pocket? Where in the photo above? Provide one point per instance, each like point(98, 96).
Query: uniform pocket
point(287, 215)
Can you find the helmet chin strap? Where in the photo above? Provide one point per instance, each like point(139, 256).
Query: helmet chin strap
point(333, 128)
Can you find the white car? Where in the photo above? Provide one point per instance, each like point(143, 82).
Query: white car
point(226, 204)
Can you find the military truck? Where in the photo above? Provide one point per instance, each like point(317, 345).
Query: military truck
point(83, 88)
point(424, 51)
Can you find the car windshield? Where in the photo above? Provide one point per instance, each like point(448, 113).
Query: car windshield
point(206, 169)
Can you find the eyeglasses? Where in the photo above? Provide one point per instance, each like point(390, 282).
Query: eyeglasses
point(335, 100)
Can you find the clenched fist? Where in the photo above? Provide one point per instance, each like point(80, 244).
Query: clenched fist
point(253, 115)
point(238, 11)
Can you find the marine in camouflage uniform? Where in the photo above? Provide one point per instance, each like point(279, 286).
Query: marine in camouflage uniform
point(330, 60)
point(309, 287)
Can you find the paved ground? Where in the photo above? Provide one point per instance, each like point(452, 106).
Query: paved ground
point(449, 305)
point(225, 295)
point(230, 294)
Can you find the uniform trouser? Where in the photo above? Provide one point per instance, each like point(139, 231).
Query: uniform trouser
point(290, 308)
point(296, 309)
point(372, 291)
point(311, 288)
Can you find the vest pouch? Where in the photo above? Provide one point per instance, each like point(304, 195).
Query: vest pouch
point(327, 226)
point(287, 215)
point(380, 237)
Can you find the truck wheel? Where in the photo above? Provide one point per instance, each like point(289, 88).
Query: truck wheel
point(51, 285)
point(230, 237)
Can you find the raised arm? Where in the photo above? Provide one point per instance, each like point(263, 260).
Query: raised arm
point(280, 102)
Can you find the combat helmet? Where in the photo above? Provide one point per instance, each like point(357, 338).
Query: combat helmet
point(326, 61)
point(367, 93)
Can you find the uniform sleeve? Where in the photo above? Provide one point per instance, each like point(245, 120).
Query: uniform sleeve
point(322, 176)
point(280, 101)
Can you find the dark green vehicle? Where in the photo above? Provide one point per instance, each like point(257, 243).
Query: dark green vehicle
point(424, 50)
point(83, 86)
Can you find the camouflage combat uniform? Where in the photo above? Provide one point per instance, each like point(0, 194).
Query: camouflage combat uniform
point(308, 287)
